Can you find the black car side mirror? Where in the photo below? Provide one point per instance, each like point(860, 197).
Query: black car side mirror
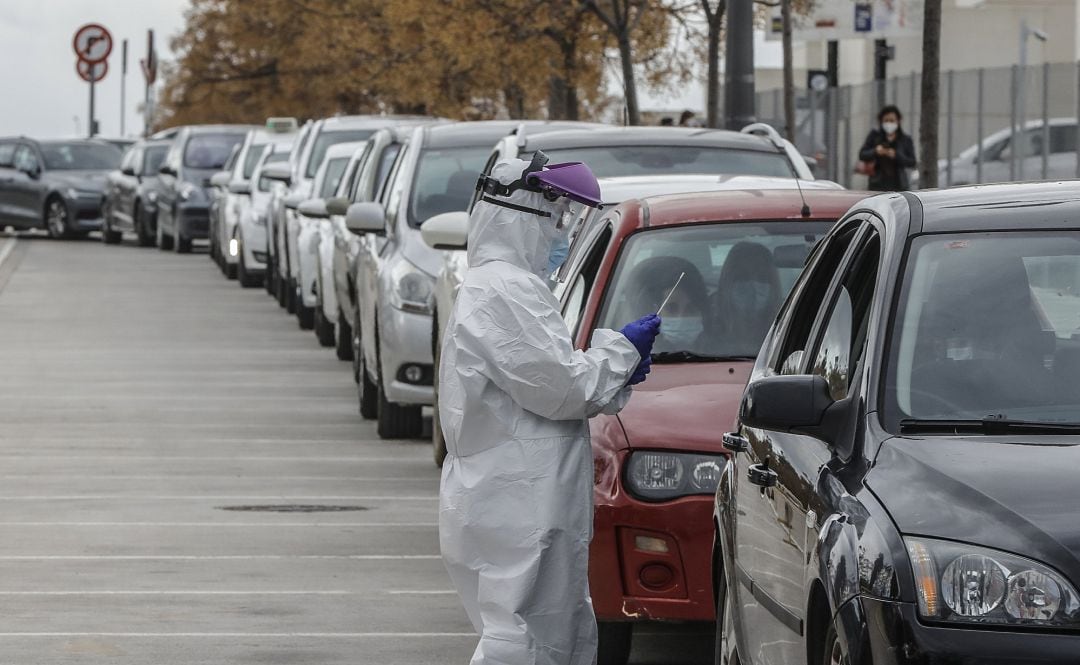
point(801, 404)
point(167, 170)
point(127, 171)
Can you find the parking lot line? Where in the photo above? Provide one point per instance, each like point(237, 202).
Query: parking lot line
point(215, 557)
point(201, 497)
point(168, 592)
point(407, 592)
point(223, 524)
point(241, 635)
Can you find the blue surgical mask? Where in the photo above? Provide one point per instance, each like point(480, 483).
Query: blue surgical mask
point(560, 249)
point(681, 331)
point(752, 296)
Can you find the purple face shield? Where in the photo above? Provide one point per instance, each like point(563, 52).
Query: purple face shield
point(574, 180)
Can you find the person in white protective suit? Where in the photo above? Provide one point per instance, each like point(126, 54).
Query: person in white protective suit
point(515, 506)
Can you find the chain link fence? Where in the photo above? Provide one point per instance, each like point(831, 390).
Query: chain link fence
point(996, 124)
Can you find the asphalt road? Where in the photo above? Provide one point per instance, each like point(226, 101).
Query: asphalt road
point(160, 427)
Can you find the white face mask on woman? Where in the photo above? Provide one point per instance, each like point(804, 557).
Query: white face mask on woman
point(890, 127)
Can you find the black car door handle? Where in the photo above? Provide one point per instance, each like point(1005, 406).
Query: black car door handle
point(736, 443)
point(759, 474)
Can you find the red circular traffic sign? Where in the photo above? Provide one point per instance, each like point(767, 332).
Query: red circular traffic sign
point(92, 43)
point(91, 70)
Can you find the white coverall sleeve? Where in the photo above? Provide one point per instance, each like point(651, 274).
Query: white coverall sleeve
point(527, 352)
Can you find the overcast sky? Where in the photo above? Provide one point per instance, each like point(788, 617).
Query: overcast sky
point(44, 97)
point(42, 94)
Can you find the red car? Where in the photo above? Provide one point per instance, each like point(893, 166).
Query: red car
point(735, 255)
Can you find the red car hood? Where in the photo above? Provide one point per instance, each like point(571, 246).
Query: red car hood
point(685, 406)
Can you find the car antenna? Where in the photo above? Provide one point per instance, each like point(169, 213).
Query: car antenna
point(761, 128)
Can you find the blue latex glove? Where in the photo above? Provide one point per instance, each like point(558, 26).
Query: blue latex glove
point(643, 368)
point(642, 333)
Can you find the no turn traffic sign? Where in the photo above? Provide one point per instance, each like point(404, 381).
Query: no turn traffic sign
point(93, 43)
point(91, 72)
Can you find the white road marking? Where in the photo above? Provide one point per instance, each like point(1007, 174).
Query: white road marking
point(166, 592)
point(202, 458)
point(215, 557)
point(243, 635)
point(202, 497)
point(405, 592)
point(215, 476)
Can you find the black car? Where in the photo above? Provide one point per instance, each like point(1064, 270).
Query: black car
point(197, 153)
point(903, 483)
point(55, 185)
point(131, 194)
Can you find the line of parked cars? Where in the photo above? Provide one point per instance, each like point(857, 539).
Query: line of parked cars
point(897, 374)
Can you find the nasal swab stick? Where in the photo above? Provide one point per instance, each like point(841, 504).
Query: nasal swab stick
point(672, 291)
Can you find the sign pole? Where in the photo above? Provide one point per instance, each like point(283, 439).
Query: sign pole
point(93, 123)
point(123, 80)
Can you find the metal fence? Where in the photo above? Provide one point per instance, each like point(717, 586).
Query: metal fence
point(1035, 108)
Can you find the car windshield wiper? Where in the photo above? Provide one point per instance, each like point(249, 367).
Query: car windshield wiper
point(987, 425)
point(691, 357)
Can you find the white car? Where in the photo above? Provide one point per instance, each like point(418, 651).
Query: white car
point(450, 234)
point(321, 135)
point(248, 243)
point(997, 156)
point(310, 214)
point(230, 205)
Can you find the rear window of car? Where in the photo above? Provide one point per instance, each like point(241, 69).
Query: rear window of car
point(251, 160)
point(444, 181)
point(80, 156)
point(210, 151)
point(153, 158)
point(327, 139)
point(734, 278)
point(618, 161)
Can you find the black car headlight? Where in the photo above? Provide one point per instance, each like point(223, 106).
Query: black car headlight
point(659, 476)
point(963, 583)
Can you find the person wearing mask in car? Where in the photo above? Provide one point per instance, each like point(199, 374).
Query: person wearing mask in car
point(887, 154)
point(515, 503)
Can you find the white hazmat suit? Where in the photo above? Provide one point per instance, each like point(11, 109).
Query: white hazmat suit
point(515, 508)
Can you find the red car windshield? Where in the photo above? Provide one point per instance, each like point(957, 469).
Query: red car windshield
point(734, 278)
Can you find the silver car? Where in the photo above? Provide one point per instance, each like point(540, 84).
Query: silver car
point(997, 156)
point(250, 237)
point(395, 272)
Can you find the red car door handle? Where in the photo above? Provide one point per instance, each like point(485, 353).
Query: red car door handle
point(736, 443)
point(759, 474)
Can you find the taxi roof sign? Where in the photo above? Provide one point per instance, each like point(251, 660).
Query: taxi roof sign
point(281, 124)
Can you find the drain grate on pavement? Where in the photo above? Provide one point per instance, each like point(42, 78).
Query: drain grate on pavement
point(293, 508)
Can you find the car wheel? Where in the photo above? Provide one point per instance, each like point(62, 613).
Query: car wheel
point(183, 245)
point(343, 346)
point(397, 421)
point(56, 218)
point(268, 279)
point(324, 330)
point(231, 269)
point(290, 296)
point(438, 443)
point(143, 233)
point(246, 279)
point(305, 315)
point(108, 235)
point(726, 650)
point(834, 653)
point(614, 641)
point(355, 343)
point(367, 391)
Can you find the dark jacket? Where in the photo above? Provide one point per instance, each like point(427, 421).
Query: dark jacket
point(890, 175)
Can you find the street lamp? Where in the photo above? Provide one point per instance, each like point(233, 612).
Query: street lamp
point(1016, 168)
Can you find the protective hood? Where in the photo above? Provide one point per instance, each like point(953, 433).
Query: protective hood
point(522, 239)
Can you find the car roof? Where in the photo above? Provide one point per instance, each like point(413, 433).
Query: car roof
point(617, 189)
point(747, 205)
point(339, 150)
point(218, 129)
point(1012, 206)
point(462, 134)
point(366, 121)
point(662, 136)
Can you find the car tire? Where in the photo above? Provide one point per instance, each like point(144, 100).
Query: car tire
point(56, 218)
point(231, 269)
point(397, 421)
point(355, 343)
point(725, 651)
point(143, 233)
point(366, 391)
point(438, 442)
point(305, 316)
point(290, 296)
point(833, 653)
point(268, 279)
point(343, 342)
point(324, 330)
point(246, 279)
point(108, 235)
point(183, 245)
point(164, 241)
point(614, 639)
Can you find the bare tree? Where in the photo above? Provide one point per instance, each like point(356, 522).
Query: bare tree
point(931, 75)
point(622, 17)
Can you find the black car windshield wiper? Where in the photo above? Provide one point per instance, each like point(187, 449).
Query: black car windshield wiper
point(987, 425)
point(691, 357)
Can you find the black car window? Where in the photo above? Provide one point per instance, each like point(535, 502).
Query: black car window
point(153, 158)
point(987, 325)
point(210, 151)
point(7, 154)
point(386, 162)
point(631, 160)
point(81, 156)
point(444, 181)
point(806, 300)
point(844, 336)
point(25, 159)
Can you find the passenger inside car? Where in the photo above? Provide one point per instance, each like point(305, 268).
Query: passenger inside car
point(683, 328)
point(747, 296)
